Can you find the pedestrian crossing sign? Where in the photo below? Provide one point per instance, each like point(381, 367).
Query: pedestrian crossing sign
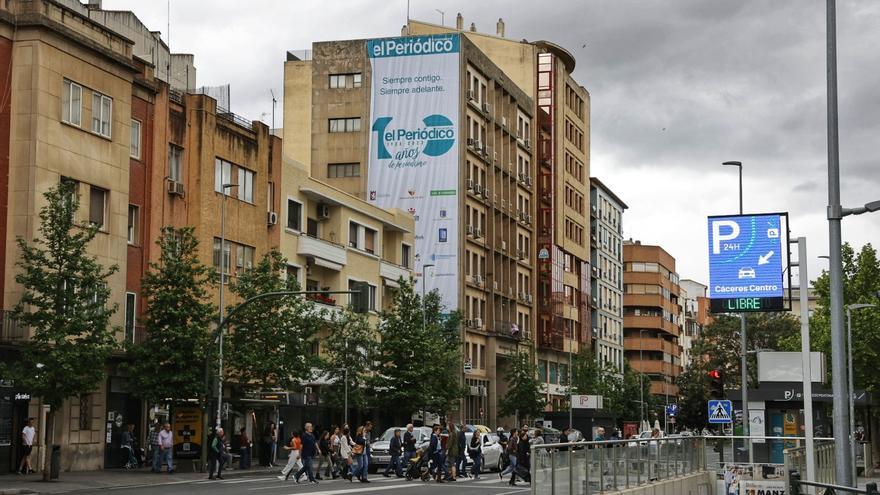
point(720, 412)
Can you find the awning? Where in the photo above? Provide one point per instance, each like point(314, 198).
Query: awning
point(391, 283)
point(328, 264)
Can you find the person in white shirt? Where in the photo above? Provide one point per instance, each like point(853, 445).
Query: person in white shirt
point(28, 433)
point(166, 446)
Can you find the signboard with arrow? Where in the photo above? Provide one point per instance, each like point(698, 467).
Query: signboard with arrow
point(747, 262)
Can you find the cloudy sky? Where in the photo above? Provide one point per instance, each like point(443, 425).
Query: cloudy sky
point(677, 87)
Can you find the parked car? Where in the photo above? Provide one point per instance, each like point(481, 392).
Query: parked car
point(379, 448)
point(491, 451)
point(551, 435)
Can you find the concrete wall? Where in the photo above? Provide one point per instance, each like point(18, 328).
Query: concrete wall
point(696, 484)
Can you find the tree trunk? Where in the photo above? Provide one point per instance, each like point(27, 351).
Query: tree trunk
point(47, 444)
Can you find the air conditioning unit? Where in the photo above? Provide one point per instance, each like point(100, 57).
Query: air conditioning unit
point(478, 188)
point(487, 150)
point(522, 216)
point(470, 184)
point(495, 156)
point(528, 218)
point(478, 232)
point(520, 254)
point(471, 142)
point(272, 218)
point(471, 95)
point(527, 143)
point(522, 296)
point(486, 193)
point(478, 280)
point(522, 177)
point(478, 145)
point(495, 285)
point(504, 245)
point(478, 323)
point(323, 212)
point(529, 298)
point(175, 187)
point(528, 181)
point(470, 230)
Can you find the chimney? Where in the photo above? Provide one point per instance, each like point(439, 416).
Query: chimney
point(499, 27)
point(473, 28)
point(93, 4)
point(459, 22)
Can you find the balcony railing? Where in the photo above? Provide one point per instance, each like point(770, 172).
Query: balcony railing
point(10, 329)
point(321, 299)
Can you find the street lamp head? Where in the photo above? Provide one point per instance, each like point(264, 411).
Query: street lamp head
point(860, 306)
point(733, 163)
point(873, 206)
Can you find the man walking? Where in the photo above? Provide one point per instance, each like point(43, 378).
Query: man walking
point(28, 433)
point(368, 453)
point(155, 448)
point(435, 447)
point(409, 445)
point(166, 445)
point(309, 448)
point(394, 448)
point(217, 454)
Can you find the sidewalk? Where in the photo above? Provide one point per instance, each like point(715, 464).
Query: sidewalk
point(91, 481)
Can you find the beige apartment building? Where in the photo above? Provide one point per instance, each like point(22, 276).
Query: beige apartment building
point(523, 283)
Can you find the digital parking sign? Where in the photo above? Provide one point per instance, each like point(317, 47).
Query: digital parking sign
point(748, 255)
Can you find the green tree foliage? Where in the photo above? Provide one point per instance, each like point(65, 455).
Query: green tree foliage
point(349, 351)
point(170, 363)
point(620, 393)
point(720, 342)
point(693, 396)
point(419, 364)
point(269, 343)
point(524, 398)
point(64, 304)
point(861, 282)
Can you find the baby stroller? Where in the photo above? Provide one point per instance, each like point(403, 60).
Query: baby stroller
point(418, 466)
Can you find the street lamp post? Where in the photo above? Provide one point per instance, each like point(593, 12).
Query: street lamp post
point(424, 275)
point(743, 345)
point(852, 379)
point(641, 385)
point(223, 188)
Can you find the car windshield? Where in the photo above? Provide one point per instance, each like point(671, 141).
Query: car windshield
point(421, 433)
point(389, 434)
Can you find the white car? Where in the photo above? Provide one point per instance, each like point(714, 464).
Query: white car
point(491, 451)
point(746, 272)
point(379, 456)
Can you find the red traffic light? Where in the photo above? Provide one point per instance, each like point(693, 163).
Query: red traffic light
point(714, 374)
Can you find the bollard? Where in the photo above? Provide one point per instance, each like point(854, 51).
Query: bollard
point(871, 488)
point(794, 482)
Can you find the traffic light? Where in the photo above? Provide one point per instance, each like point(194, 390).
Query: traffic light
point(716, 384)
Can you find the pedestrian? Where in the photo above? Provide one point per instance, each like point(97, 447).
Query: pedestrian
point(324, 456)
point(273, 440)
point(28, 433)
point(395, 446)
point(308, 453)
point(217, 454)
point(522, 457)
point(435, 447)
point(155, 449)
point(244, 449)
point(358, 452)
point(166, 446)
point(475, 451)
point(461, 461)
point(345, 453)
point(368, 452)
point(510, 449)
point(409, 445)
point(600, 435)
point(293, 458)
point(453, 450)
point(266, 445)
point(127, 444)
point(538, 439)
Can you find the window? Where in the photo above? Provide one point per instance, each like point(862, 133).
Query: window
point(226, 256)
point(369, 241)
point(404, 256)
point(222, 175)
point(85, 412)
point(175, 164)
point(337, 81)
point(363, 238)
point(97, 206)
point(292, 272)
point(341, 81)
point(102, 112)
point(245, 185)
point(542, 370)
point(357, 80)
point(353, 235)
point(244, 258)
point(130, 308)
point(294, 215)
point(371, 299)
point(135, 148)
point(71, 103)
point(132, 224)
point(351, 124)
point(339, 170)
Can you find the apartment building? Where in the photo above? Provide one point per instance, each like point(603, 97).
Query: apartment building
point(560, 161)
point(606, 234)
point(652, 323)
point(695, 311)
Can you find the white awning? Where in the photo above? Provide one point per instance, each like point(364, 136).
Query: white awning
point(391, 283)
point(328, 264)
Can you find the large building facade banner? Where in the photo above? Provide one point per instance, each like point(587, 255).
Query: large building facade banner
point(414, 141)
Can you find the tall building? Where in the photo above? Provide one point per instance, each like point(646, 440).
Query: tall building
point(514, 184)
point(696, 317)
point(606, 233)
point(651, 315)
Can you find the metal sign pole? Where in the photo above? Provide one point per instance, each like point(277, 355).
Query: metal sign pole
point(806, 361)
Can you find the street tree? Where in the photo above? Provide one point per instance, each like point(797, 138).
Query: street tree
point(419, 354)
point(348, 353)
point(65, 306)
point(169, 364)
point(619, 391)
point(269, 342)
point(693, 396)
point(524, 398)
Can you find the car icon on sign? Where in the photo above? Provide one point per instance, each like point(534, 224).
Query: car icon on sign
point(746, 272)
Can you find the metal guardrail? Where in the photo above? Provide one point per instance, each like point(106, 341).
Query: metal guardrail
point(612, 465)
point(796, 461)
point(797, 487)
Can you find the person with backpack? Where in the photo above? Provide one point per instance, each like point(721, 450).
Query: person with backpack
point(475, 451)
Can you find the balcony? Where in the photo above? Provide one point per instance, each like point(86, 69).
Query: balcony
point(654, 367)
point(325, 253)
point(10, 329)
point(637, 344)
point(660, 387)
point(651, 322)
point(392, 273)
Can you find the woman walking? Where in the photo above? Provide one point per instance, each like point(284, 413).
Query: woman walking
point(358, 452)
point(293, 459)
point(511, 454)
point(323, 456)
point(475, 450)
point(344, 454)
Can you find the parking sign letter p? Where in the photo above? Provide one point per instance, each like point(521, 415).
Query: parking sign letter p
point(718, 237)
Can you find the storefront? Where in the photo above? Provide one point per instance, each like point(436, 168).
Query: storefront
point(123, 409)
point(13, 417)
